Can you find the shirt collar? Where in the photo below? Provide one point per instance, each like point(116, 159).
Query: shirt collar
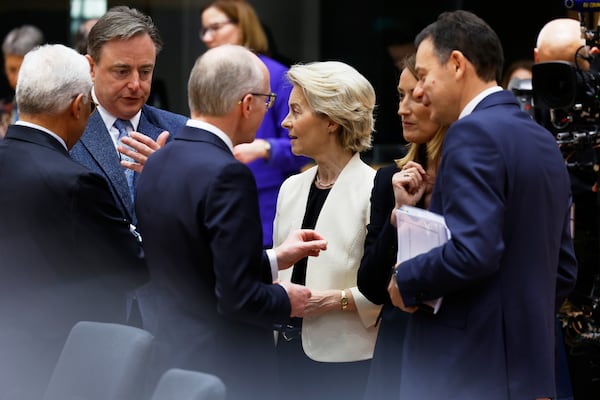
point(46, 130)
point(212, 129)
point(477, 99)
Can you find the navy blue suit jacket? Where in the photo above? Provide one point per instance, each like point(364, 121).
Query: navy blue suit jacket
point(96, 151)
point(198, 208)
point(503, 188)
point(66, 255)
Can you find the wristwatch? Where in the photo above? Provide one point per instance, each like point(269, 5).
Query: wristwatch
point(343, 300)
point(268, 148)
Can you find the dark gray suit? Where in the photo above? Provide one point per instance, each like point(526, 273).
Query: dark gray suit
point(96, 151)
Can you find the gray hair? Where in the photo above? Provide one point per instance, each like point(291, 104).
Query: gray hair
point(21, 40)
point(221, 77)
point(50, 77)
point(338, 91)
point(121, 22)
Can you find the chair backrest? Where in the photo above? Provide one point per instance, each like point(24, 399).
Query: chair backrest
point(101, 361)
point(183, 384)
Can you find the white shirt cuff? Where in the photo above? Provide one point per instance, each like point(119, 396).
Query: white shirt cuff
point(273, 262)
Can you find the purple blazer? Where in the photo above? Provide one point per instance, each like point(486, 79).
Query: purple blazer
point(282, 163)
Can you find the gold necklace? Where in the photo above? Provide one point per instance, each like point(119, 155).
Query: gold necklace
point(323, 185)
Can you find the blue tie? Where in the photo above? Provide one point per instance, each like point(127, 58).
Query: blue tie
point(122, 126)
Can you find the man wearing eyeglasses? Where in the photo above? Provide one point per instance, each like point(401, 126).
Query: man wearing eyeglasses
point(198, 208)
point(66, 254)
point(122, 49)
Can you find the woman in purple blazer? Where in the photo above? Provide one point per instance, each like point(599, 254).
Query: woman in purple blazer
point(269, 156)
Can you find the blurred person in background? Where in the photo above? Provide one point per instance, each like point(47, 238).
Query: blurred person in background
point(16, 44)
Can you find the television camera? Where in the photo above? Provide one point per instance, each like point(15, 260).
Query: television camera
point(567, 94)
point(566, 100)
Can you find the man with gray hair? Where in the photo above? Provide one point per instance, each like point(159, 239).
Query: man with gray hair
point(198, 208)
point(66, 253)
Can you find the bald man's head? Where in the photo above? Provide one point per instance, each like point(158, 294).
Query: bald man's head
point(559, 40)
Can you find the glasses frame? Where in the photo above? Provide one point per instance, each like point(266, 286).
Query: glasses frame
point(93, 105)
point(269, 98)
point(212, 28)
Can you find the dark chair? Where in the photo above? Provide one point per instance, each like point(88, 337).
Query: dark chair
point(183, 384)
point(101, 361)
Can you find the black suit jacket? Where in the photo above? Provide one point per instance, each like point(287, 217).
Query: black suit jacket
point(66, 254)
point(198, 209)
point(374, 273)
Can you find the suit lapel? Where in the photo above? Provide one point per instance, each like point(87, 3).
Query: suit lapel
point(96, 140)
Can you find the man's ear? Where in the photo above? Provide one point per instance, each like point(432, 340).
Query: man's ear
point(246, 104)
point(92, 65)
point(76, 106)
point(458, 62)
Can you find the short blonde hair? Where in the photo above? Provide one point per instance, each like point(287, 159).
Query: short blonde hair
point(338, 91)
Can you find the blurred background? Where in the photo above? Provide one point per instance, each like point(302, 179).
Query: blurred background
point(367, 34)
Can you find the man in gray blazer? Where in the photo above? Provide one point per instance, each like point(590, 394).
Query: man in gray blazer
point(122, 49)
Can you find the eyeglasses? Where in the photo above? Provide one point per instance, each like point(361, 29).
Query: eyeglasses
point(212, 28)
point(93, 106)
point(269, 98)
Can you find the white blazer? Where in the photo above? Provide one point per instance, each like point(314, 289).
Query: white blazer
point(337, 336)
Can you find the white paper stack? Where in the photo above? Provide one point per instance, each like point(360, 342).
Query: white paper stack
point(419, 231)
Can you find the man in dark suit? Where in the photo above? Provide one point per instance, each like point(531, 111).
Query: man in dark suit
point(66, 254)
point(198, 208)
point(122, 49)
point(503, 189)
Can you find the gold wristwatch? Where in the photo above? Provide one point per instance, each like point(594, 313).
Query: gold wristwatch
point(344, 300)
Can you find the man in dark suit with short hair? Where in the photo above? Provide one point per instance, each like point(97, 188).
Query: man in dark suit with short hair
point(198, 209)
point(503, 189)
point(66, 253)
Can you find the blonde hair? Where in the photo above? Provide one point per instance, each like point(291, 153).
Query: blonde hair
point(338, 91)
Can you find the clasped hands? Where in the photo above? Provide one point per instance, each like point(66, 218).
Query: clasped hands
point(299, 244)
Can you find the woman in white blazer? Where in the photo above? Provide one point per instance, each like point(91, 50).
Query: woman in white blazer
point(327, 353)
